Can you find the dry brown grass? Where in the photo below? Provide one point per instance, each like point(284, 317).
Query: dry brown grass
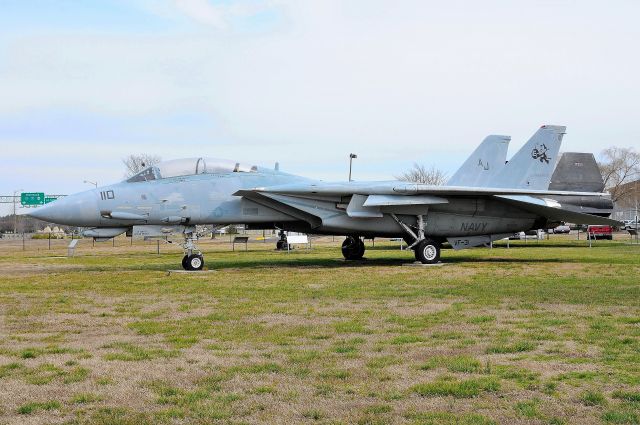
point(309, 339)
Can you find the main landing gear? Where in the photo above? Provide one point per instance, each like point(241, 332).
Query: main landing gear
point(193, 259)
point(353, 248)
point(282, 244)
point(427, 250)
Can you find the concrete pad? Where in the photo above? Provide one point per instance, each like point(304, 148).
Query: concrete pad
point(419, 264)
point(195, 272)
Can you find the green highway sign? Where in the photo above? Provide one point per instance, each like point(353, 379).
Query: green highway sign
point(32, 198)
point(48, 199)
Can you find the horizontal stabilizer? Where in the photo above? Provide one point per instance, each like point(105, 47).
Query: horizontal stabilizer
point(553, 211)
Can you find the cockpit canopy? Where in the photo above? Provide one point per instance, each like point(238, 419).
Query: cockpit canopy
point(190, 167)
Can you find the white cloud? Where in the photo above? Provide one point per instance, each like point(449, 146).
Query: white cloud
point(202, 11)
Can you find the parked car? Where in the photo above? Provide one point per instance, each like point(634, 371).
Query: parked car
point(600, 232)
point(529, 234)
point(630, 224)
point(563, 228)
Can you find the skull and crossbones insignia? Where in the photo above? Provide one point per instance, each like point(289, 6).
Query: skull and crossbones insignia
point(540, 152)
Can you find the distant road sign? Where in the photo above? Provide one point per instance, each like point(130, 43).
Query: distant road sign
point(10, 199)
point(32, 198)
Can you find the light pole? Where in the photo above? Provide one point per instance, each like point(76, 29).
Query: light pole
point(15, 217)
point(15, 222)
point(90, 182)
point(637, 206)
point(352, 156)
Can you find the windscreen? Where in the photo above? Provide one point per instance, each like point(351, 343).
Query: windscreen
point(143, 176)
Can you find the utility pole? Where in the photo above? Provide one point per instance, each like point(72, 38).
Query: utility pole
point(352, 156)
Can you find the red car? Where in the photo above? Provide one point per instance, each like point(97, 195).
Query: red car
point(600, 232)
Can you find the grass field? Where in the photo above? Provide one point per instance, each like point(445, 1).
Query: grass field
point(548, 333)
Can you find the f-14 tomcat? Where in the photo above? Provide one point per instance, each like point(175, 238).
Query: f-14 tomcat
point(484, 201)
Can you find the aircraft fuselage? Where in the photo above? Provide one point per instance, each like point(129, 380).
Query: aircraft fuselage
point(208, 200)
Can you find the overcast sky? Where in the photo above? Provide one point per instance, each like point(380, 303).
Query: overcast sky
point(83, 84)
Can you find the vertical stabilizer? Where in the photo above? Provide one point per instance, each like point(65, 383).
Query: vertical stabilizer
point(483, 164)
point(532, 166)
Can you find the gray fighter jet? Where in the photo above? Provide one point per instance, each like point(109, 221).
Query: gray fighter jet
point(485, 201)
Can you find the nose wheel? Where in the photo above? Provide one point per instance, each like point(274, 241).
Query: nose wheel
point(193, 262)
point(353, 248)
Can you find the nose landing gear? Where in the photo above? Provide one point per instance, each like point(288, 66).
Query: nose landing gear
point(353, 248)
point(193, 259)
point(193, 262)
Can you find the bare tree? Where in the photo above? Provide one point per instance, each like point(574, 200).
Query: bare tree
point(136, 163)
point(618, 167)
point(421, 174)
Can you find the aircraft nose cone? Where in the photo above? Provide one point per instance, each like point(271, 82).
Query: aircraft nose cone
point(80, 209)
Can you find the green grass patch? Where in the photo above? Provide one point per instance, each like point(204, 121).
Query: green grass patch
point(380, 362)
point(47, 373)
point(85, 398)
point(128, 352)
point(631, 396)
point(335, 374)
point(350, 327)
point(446, 418)
point(528, 409)
point(10, 369)
point(462, 364)
point(477, 320)
point(447, 386)
point(32, 407)
point(516, 347)
point(624, 417)
point(524, 377)
point(592, 398)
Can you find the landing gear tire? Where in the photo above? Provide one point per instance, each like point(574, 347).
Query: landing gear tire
point(353, 248)
point(193, 262)
point(282, 245)
point(427, 251)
